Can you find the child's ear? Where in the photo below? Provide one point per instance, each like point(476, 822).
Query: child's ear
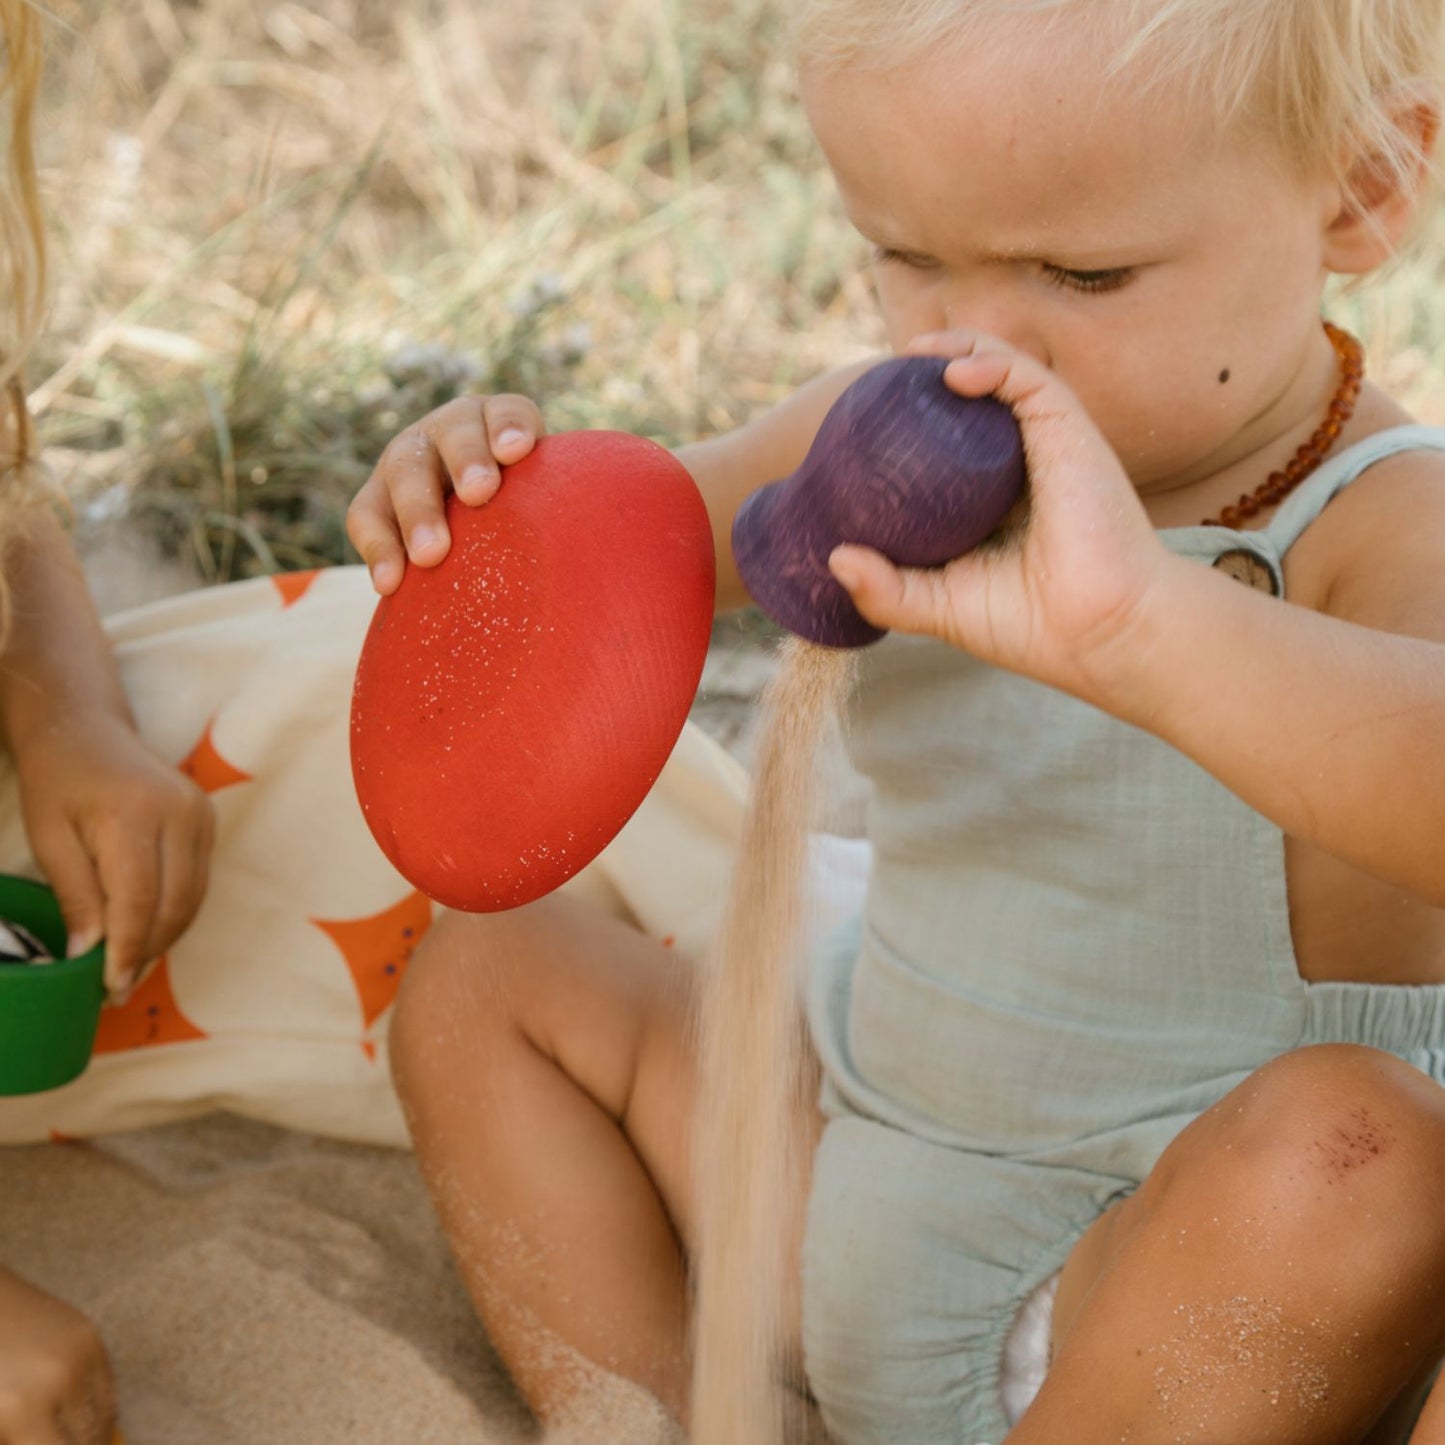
point(1382, 194)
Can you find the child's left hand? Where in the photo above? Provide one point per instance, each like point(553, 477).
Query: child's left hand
point(1059, 601)
point(122, 837)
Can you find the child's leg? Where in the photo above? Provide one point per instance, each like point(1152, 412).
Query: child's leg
point(1279, 1277)
point(1431, 1429)
point(545, 1060)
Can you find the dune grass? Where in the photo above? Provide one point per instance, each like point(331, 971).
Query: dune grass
point(283, 231)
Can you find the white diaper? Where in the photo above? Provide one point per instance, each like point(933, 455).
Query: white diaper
point(1026, 1351)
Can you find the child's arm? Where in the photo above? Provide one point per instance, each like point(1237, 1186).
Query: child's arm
point(1332, 724)
point(122, 837)
point(397, 514)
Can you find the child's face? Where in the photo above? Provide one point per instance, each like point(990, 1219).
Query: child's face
point(1174, 282)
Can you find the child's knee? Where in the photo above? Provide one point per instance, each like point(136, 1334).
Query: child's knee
point(1341, 1114)
point(1328, 1136)
point(454, 990)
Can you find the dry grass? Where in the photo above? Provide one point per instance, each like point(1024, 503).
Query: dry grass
point(283, 229)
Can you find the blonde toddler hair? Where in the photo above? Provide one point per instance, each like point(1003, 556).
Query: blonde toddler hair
point(1307, 73)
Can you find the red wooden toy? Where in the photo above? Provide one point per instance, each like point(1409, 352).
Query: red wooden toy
point(514, 705)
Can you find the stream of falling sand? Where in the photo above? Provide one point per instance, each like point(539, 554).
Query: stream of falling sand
point(758, 1075)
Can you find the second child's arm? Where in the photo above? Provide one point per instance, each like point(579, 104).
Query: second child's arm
point(465, 445)
point(123, 837)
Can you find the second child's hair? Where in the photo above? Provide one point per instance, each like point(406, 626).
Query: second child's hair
point(22, 270)
point(1306, 73)
point(22, 235)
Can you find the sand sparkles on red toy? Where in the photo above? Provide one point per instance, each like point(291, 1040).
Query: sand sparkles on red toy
point(514, 704)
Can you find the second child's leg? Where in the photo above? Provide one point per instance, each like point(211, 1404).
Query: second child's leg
point(1279, 1278)
point(546, 1063)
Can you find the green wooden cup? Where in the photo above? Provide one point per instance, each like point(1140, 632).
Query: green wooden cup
point(48, 1011)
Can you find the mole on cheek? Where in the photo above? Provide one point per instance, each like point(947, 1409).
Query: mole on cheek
point(1224, 376)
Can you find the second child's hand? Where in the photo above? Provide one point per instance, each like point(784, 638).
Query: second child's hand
point(397, 516)
point(122, 837)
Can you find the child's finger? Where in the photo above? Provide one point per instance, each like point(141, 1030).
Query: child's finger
point(1050, 415)
point(185, 866)
point(983, 365)
point(458, 432)
point(513, 426)
point(1066, 452)
point(130, 870)
point(992, 369)
point(371, 526)
point(402, 500)
point(953, 343)
point(412, 472)
point(908, 599)
point(71, 874)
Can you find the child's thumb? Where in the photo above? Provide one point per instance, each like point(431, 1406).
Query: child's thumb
point(909, 598)
point(76, 884)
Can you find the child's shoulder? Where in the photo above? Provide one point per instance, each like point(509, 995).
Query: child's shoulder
point(1376, 553)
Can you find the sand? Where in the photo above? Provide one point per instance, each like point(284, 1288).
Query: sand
point(254, 1284)
point(758, 1077)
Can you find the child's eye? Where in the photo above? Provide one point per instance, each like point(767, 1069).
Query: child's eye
point(1092, 282)
point(890, 256)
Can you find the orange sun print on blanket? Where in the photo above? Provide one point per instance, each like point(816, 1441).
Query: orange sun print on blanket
point(207, 769)
point(293, 586)
point(378, 948)
point(150, 1016)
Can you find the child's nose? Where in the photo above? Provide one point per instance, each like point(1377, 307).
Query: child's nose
point(1001, 317)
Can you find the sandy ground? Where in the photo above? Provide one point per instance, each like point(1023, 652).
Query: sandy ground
point(254, 1284)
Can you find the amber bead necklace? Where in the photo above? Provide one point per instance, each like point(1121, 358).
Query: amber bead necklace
point(1342, 407)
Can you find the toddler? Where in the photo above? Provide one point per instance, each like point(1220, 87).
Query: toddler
point(1131, 1126)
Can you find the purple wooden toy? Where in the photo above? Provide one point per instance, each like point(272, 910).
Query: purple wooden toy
point(901, 464)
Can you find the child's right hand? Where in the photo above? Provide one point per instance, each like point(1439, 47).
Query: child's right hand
point(398, 513)
point(55, 1380)
point(122, 836)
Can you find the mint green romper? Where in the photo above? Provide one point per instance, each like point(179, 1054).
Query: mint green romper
point(1075, 940)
